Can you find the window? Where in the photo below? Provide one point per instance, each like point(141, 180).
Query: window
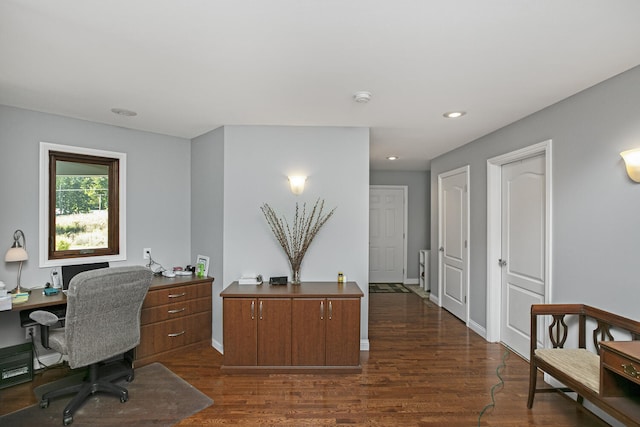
point(82, 205)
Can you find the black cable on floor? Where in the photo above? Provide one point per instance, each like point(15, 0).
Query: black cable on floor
point(35, 352)
point(495, 386)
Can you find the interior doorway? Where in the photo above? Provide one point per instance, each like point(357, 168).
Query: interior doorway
point(519, 242)
point(453, 241)
point(387, 233)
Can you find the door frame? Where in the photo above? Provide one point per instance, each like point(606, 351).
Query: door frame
point(494, 230)
point(405, 214)
point(466, 169)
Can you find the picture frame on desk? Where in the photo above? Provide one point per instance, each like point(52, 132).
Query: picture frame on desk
point(204, 260)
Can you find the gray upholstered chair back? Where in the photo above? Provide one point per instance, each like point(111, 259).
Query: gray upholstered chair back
point(103, 313)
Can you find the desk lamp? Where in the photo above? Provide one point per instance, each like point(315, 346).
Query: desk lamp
point(16, 253)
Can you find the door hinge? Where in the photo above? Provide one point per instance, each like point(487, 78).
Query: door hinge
point(465, 299)
point(465, 244)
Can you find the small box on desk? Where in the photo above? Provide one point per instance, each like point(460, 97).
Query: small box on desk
point(16, 364)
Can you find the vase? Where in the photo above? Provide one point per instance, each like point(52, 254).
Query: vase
point(295, 278)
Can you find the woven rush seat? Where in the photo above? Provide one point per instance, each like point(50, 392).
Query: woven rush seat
point(577, 363)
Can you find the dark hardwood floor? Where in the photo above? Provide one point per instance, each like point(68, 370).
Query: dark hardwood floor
point(424, 368)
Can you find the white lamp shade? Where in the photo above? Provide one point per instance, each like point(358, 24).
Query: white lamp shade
point(16, 254)
point(632, 162)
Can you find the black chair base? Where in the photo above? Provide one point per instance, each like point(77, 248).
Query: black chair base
point(99, 379)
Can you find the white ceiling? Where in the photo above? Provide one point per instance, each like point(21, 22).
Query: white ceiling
point(187, 67)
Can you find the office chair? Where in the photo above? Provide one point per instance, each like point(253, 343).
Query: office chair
point(102, 323)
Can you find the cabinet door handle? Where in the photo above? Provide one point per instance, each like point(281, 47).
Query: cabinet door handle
point(330, 310)
point(178, 310)
point(321, 310)
point(253, 310)
point(177, 334)
point(177, 295)
point(260, 311)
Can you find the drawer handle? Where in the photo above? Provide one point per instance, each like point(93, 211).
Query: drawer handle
point(631, 370)
point(321, 310)
point(179, 310)
point(253, 310)
point(330, 310)
point(177, 295)
point(177, 334)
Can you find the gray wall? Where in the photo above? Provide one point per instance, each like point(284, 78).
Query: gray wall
point(158, 196)
point(257, 161)
point(595, 206)
point(207, 209)
point(419, 194)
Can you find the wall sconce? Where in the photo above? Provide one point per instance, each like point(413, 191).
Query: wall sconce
point(17, 253)
point(297, 184)
point(632, 162)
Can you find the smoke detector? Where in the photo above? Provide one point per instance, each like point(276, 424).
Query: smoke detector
point(124, 112)
point(362, 97)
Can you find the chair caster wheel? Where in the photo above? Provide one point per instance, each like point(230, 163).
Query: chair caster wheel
point(67, 420)
point(124, 398)
point(44, 403)
point(130, 378)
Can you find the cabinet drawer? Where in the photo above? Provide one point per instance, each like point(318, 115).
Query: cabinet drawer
point(623, 366)
point(159, 337)
point(174, 310)
point(176, 294)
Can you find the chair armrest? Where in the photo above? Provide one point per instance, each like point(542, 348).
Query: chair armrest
point(45, 319)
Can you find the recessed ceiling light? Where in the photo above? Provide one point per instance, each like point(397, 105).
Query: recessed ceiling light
point(123, 112)
point(393, 158)
point(362, 97)
point(454, 114)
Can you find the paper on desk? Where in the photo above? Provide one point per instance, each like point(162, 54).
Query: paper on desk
point(20, 298)
point(5, 302)
point(250, 280)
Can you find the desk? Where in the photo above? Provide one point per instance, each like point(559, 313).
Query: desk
point(38, 300)
point(176, 314)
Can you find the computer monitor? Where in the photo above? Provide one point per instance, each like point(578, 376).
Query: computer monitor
point(69, 271)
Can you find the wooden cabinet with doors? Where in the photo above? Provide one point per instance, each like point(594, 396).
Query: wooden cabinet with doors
point(258, 331)
point(310, 327)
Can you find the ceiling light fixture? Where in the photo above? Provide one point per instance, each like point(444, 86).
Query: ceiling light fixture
point(362, 97)
point(393, 158)
point(123, 112)
point(454, 114)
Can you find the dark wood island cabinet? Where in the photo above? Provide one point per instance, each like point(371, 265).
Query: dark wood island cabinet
point(311, 327)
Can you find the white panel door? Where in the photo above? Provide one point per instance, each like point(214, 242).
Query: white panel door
point(386, 234)
point(523, 248)
point(453, 243)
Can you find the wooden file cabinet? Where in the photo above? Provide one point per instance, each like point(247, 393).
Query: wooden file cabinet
point(175, 314)
point(310, 327)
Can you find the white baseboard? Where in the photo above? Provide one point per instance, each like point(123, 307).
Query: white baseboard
point(364, 345)
point(412, 281)
point(218, 346)
point(434, 299)
point(478, 329)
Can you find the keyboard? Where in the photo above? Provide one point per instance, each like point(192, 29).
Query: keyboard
point(59, 310)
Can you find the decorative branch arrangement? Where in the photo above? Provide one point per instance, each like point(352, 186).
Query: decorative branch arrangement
point(295, 239)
